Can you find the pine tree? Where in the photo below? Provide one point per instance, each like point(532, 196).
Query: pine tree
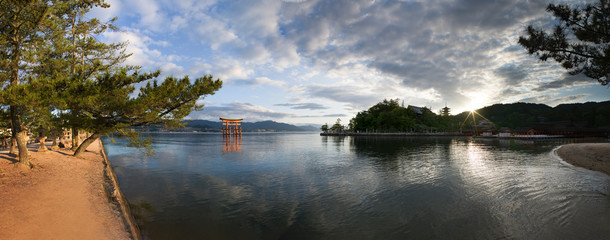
point(20, 24)
point(55, 74)
point(75, 55)
point(109, 105)
point(580, 42)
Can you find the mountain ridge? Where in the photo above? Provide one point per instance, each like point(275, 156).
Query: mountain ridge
point(200, 125)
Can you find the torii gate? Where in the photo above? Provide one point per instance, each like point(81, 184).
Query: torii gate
point(231, 127)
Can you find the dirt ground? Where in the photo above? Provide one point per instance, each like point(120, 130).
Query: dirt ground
point(594, 156)
point(62, 197)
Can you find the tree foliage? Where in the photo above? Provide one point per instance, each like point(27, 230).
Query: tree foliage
point(337, 127)
point(580, 42)
point(388, 115)
point(111, 106)
point(520, 115)
point(515, 115)
point(21, 23)
point(76, 53)
point(324, 127)
point(55, 74)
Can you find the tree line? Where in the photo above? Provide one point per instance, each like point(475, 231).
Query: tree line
point(515, 115)
point(389, 116)
point(56, 74)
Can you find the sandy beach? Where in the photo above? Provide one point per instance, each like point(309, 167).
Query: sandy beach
point(62, 197)
point(594, 156)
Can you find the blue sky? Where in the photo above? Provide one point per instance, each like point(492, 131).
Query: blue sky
point(313, 61)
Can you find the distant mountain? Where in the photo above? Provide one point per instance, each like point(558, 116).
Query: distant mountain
point(271, 126)
point(203, 125)
point(212, 126)
point(311, 127)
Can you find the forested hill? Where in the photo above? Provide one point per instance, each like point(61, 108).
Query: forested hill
point(263, 126)
point(590, 114)
point(391, 116)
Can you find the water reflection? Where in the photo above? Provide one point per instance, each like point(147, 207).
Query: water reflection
point(232, 143)
point(520, 187)
point(304, 186)
point(141, 212)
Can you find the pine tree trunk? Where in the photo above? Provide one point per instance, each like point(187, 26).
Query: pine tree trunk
point(42, 147)
point(13, 145)
point(74, 139)
point(23, 148)
point(20, 136)
point(83, 146)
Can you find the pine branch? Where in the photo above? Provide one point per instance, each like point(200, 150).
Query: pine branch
point(572, 52)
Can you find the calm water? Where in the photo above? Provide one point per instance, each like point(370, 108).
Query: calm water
point(305, 186)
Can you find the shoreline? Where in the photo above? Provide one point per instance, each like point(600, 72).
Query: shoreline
point(453, 134)
point(592, 156)
point(62, 197)
point(116, 196)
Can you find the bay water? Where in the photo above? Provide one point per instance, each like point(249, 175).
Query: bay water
point(307, 186)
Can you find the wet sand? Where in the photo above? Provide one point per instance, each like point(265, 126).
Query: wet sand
point(62, 197)
point(594, 156)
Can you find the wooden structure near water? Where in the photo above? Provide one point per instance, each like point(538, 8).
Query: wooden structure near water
point(231, 127)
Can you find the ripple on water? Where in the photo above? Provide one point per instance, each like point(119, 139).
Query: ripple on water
point(306, 186)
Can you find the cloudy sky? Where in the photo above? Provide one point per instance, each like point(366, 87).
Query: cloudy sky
point(313, 61)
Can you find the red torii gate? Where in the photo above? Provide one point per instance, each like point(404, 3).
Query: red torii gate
point(231, 127)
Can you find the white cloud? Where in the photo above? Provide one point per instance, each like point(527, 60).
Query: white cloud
point(199, 68)
point(552, 101)
point(212, 32)
point(171, 69)
point(230, 69)
point(352, 53)
point(105, 14)
point(144, 52)
point(249, 112)
point(260, 81)
point(255, 20)
point(137, 46)
point(150, 14)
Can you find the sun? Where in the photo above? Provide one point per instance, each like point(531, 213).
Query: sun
point(474, 104)
point(471, 108)
point(475, 100)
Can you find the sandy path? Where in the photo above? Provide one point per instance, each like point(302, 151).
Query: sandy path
point(594, 156)
point(61, 198)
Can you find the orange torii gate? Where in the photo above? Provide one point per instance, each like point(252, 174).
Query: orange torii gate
point(231, 126)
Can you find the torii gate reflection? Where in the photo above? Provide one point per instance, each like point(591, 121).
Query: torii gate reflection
point(231, 134)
